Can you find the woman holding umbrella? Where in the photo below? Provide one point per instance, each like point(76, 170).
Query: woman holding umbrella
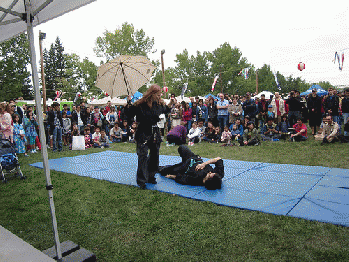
point(147, 111)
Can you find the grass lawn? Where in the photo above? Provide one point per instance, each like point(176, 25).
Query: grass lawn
point(123, 223)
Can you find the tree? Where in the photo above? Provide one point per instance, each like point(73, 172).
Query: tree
point(227, 62)
point(124, 41)
point(54, 64)
point(14, 75)
point(88, 74)
point(266, 79)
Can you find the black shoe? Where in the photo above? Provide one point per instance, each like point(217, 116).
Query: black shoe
point(142, 186)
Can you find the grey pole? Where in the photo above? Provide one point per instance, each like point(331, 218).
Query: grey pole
point(35, 77)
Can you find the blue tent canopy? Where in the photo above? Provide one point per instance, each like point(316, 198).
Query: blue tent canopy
point(136, 96)
point(320, 91)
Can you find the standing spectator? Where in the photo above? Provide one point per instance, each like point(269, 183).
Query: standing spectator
point(6, 123)
point(66, 110)
point(331, 105)
point(56, 123)
point(107, 109)
point(201, 111)
point(111, 118)
point(66, 128)
point(212, 111)
point(235, 111)
point(87, 119)
point(18, 135)
point(30, 130)
point(187, 116)
point(314, 106)
point(345, 110)
point(77, 117)
point(222, 115)
point(17, 110)
point(176, 115)
point(97, 118)
point(262, 110)
point(249, 107)
point(294, 108)
point(278, 105)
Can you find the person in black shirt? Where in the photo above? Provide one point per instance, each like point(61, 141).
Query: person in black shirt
point(194, 171)
point(147, 111)
point(314, 104)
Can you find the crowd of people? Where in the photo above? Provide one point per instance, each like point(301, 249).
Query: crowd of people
point(227, 119)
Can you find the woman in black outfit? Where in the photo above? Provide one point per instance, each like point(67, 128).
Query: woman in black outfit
point(147, 111)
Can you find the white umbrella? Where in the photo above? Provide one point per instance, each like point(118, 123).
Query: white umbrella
point(124, 75)
point(18, 16)
point(266, 93)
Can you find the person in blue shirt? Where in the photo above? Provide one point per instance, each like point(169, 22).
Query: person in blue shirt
point(222, 115)
point(201, 111)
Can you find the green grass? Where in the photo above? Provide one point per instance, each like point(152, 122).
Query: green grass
point(123, 223)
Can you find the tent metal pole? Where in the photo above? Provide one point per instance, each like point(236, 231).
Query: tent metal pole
point(35, 77)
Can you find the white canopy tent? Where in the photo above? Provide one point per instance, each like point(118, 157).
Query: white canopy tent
point(266, 93)
point(102, 102)
point(16, 17)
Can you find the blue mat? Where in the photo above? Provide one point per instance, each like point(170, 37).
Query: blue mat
point(309, 192)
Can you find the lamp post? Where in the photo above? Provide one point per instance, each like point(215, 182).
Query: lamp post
point(220, 76)
point(42, 36)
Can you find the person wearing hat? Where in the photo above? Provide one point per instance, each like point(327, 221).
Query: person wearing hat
point(314, 104)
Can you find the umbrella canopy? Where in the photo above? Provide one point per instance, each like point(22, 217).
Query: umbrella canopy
point(214, 97)
point(17, 16)
point(124, 75)
point(320, 91)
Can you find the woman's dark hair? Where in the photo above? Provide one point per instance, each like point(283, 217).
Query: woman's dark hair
point(213, 183)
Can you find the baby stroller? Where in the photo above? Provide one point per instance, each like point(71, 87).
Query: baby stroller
point(8, 160)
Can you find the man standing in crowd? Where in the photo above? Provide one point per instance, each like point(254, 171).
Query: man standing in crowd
point(222, 115)
point(345, 110)
point(294, 107)
point(262, 112)
point(56, 123)
point(278, 105)
point(331, 105)
point(314, 104)
point(77, 117)
point(249, 107)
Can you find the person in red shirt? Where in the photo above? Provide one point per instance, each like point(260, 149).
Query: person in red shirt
point(300, 131)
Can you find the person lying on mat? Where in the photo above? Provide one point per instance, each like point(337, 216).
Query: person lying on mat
point(194, 171)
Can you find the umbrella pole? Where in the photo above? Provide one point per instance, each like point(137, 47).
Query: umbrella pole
point(123, 73)
point(49, 186)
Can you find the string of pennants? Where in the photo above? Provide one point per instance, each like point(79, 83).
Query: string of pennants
point(340, 59)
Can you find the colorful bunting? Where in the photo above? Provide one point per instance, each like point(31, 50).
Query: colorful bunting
point(214, 82)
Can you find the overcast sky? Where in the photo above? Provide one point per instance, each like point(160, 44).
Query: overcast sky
point(278, 33)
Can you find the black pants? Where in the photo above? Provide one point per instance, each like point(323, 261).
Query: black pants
point(148, 164)
point(181, 167)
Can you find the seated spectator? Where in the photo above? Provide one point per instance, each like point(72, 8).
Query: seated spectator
point(103, 139)
point(88, 137)
point(250, 137)
point(239, 127)
point(75, 130)
point(177, 135)
point(132, 132)
point(300, 131)
point(95, 137)
point(194, 134)
point(193, 171)
point(226, 136)
point(330, 131)
point(217, 136)
point(246, 121)
point(116, 133)
point(210, 133)
point(283, 127)
point(270, 131)
point(202, 128)
point(124, 131)
point(236, 133)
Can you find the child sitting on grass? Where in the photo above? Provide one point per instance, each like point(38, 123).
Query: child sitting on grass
point(226, 136)
point(88, 137)
point(95, 137)
point(103, 140)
